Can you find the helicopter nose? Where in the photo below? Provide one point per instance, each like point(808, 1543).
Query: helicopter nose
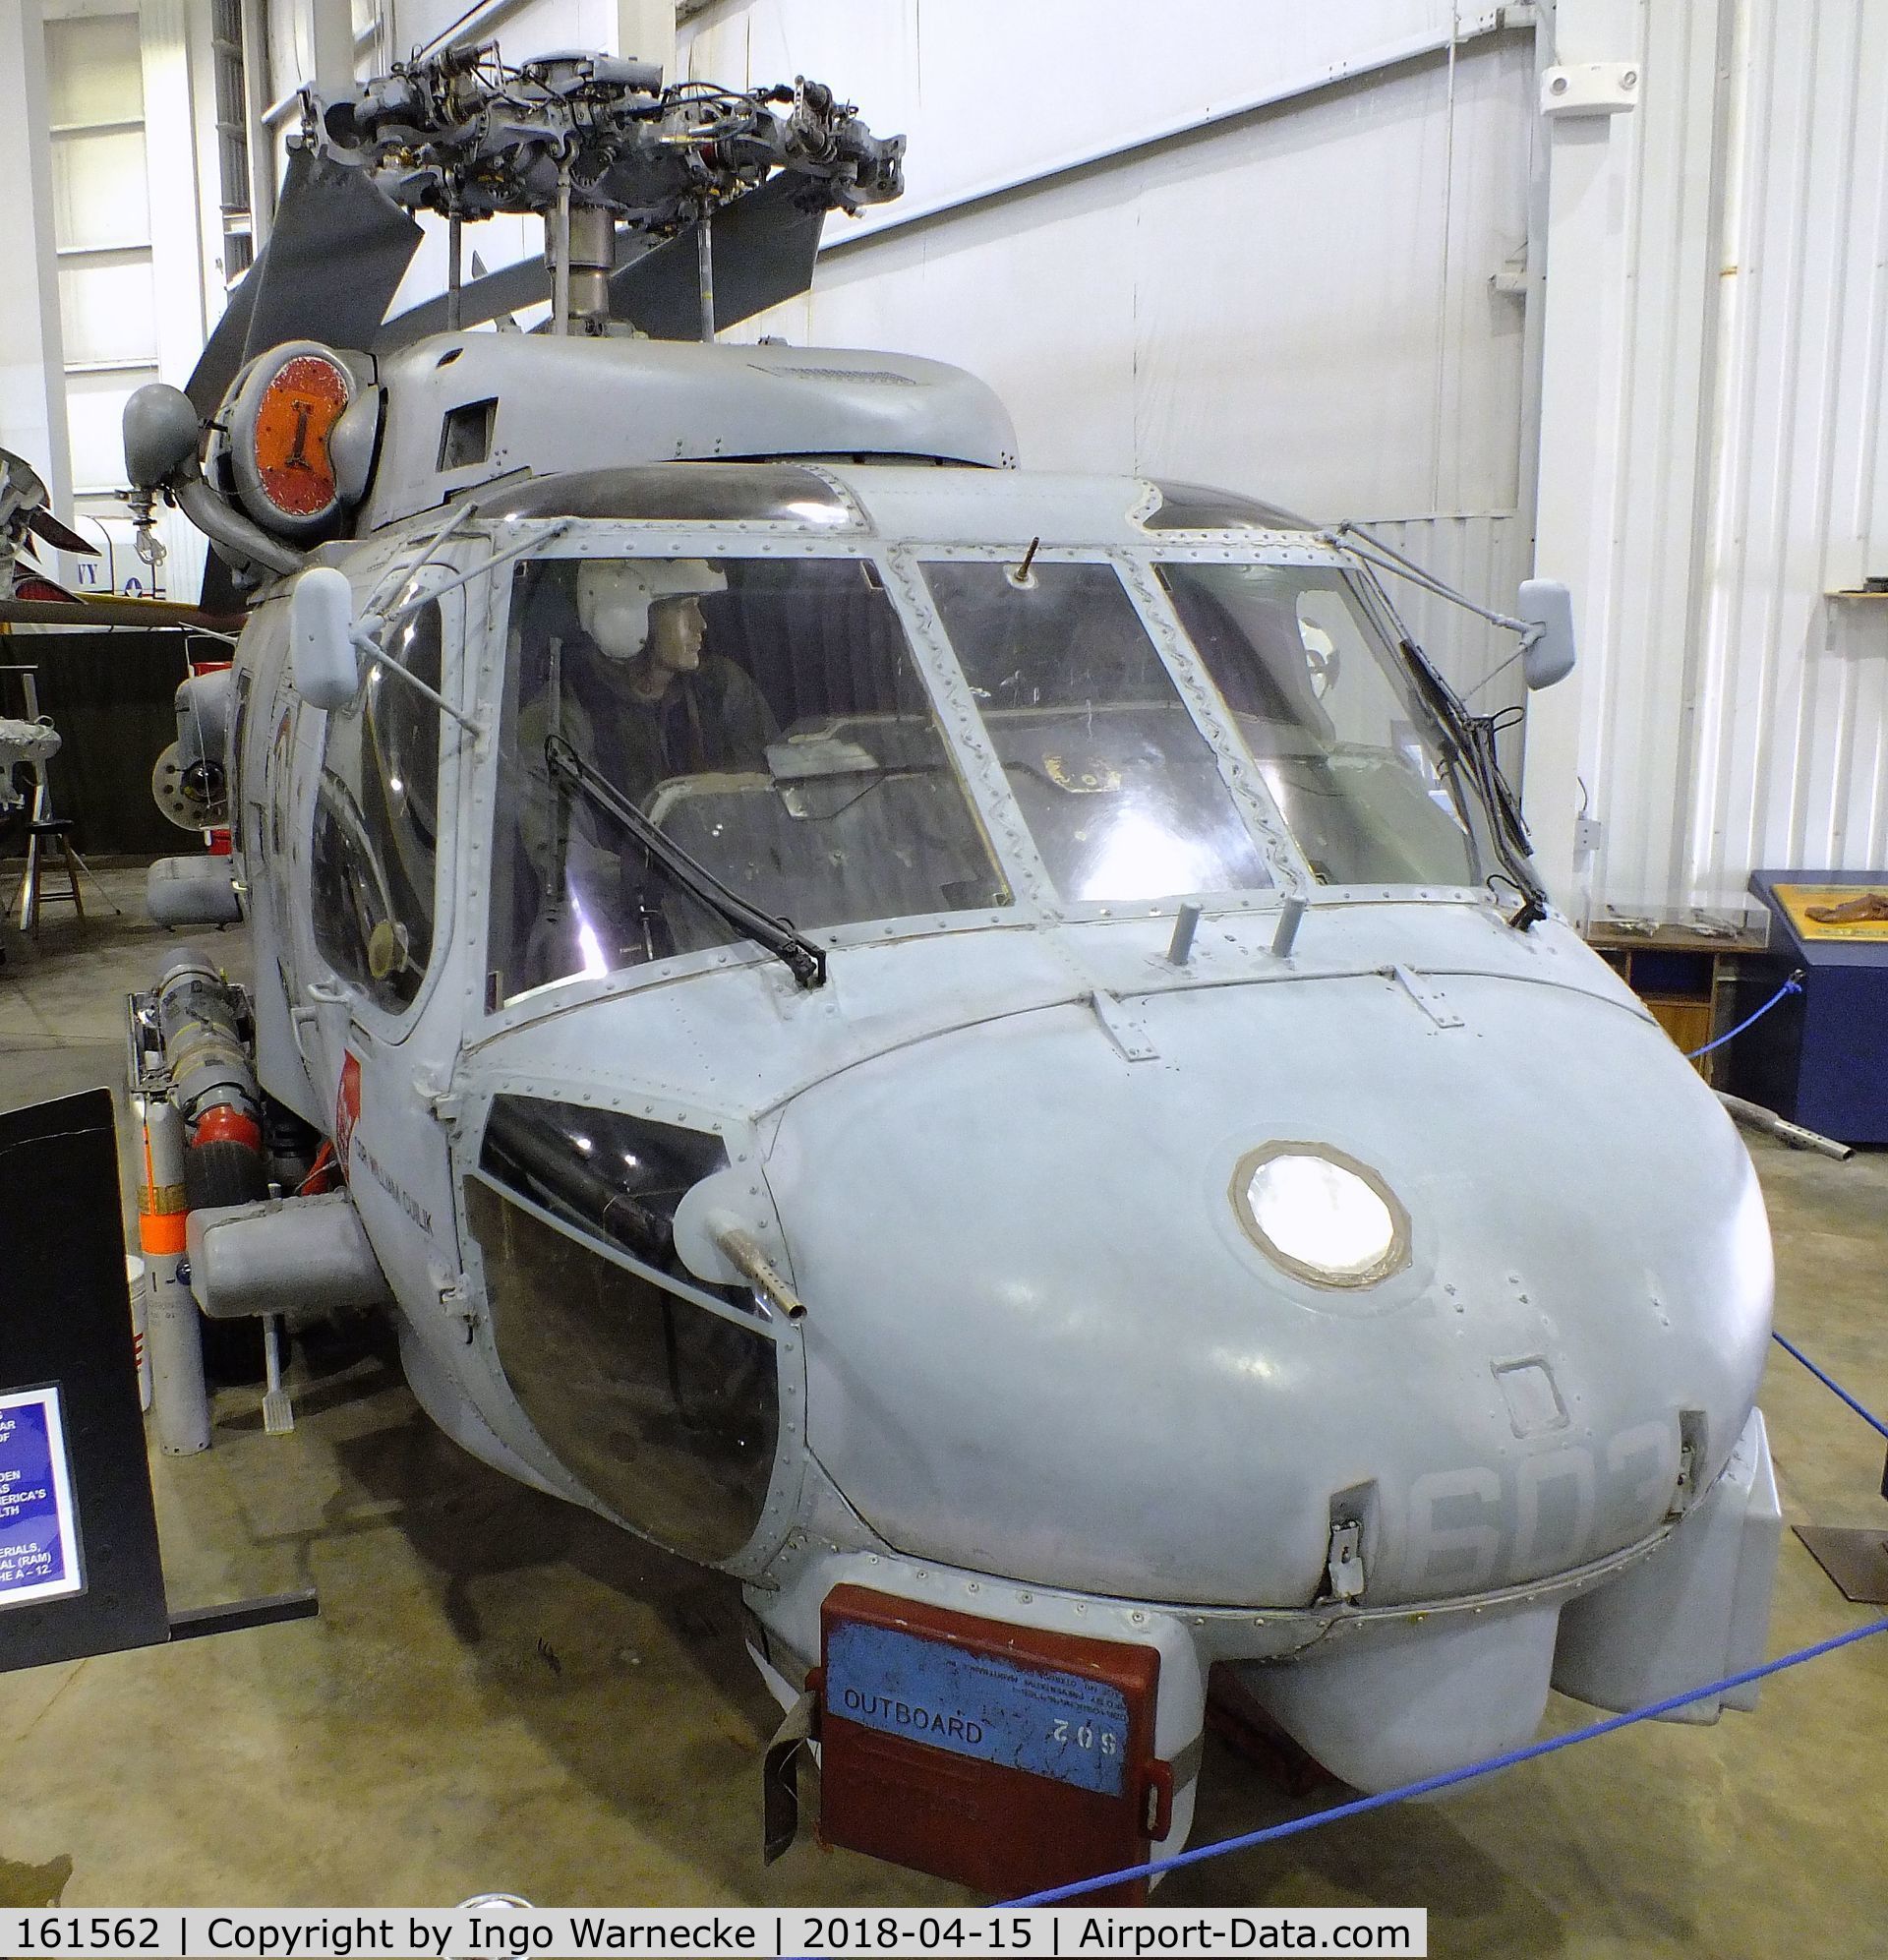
point(1064, 1327)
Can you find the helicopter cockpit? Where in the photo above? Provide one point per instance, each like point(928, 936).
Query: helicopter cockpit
point(844, 734)
point(796, 755)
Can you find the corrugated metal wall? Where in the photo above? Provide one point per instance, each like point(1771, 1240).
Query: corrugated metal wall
point(1733, 713)
point(1789, 765)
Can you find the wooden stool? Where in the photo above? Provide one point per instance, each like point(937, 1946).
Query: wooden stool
point(47, 847)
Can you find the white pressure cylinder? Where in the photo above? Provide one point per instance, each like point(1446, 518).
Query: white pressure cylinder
point(174, 1328)
point(139, 1346)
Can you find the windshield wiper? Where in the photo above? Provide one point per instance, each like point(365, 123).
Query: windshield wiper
point(1466, 740)
point(1470, 739)
point(779, 937)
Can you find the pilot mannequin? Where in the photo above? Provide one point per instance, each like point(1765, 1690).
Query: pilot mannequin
point(673, 709)
point(636, 695)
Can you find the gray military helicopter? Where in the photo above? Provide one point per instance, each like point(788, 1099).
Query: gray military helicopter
point(978, 1049)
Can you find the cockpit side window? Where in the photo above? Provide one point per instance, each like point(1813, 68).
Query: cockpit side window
point(1122, 792)
point(666, 1411)
point(376, 839)
point(1333, 720)
point(763, 714)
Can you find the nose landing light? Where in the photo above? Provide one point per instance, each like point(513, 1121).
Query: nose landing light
point(1320, 1215)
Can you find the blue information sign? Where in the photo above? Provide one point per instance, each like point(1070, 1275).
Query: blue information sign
point(1063, 1726)
point(38, 1546)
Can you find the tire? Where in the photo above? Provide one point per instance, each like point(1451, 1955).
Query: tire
point(227, 1172)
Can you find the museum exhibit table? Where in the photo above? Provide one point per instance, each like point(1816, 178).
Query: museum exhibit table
point(1820, 1058)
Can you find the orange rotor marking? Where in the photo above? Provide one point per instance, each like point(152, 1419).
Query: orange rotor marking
point(293, 423)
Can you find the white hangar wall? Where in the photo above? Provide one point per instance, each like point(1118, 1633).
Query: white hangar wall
point(1326, 299)
point(1249, 246)
point(1713, 459)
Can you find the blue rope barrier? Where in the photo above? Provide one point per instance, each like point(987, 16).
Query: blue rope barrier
point(1448, 1778)
point(1791, 986)
point(1829, 1382)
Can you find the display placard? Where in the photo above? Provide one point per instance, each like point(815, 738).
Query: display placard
point(80, 1571)
point(1002, 1757)
point(40, 1553)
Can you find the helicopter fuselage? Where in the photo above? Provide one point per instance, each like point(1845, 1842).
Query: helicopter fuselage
point(1071, 1356)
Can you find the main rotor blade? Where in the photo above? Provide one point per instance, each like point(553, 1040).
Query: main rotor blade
point(337, 252)
point(763, 247)
point(44, 525)
point(334, 257)
point(114, 608)
point(216, 366)
point(506, 290)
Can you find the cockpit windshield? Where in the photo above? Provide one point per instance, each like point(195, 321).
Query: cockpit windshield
point(1120, 790)
point(1334, 720)
point(764, 721)
point(764, 714)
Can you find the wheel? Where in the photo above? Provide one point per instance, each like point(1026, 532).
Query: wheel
point(227, 1172)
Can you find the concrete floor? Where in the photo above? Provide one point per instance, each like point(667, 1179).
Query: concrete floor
point(504, 1693)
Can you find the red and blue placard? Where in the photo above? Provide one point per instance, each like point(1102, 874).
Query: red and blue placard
point(1002, 1757)
point(1068, 1727)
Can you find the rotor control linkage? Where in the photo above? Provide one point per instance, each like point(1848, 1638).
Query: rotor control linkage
point(588, 143)
point(467, 135)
